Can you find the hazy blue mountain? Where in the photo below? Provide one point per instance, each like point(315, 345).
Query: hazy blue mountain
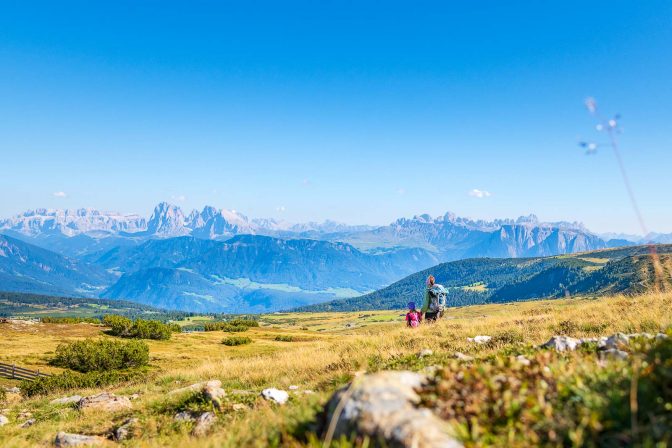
point(28, 268)
point(259, 272)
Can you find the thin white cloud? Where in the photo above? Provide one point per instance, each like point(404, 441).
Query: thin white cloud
point(401, 191)
point(280, 208)
point(60, 194)
point(179, 198)
point(306, 182)
point(480, 194)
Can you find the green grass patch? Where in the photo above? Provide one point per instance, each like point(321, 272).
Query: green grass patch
point(70, 381)
point(232, 341)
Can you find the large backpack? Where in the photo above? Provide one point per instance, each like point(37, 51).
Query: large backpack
point(437, 298)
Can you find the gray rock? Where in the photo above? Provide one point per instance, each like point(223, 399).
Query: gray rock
point(126, 430)
point(13, 390)
point(184, 416)
point(64, 439)
point(613, 353)
point(425, 352)
point(66, 400)
point(523, 360)
point(480, 339)
point(562, 343)
point(661, 337)
point(28, 423)
point(383, 406)
point(462, 356)
point(293, 387)
point(197, 386)
point(617, 341)
point(203, 424)
point(3, 420)
point(214, 394)
point(276, 395)
point(104, 401)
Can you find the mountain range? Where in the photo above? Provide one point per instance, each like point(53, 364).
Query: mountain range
point(221, 260)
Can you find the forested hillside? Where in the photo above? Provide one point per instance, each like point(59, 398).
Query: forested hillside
point(487, 280)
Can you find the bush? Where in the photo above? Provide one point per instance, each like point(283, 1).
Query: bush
point(140, 328)
point(70, 380)
point(232, 326)
point(285, 338)
point(101, 354)
point(558, 399)
point(3, 395)
point(119, 325)
point(69, 320)
point(236, 340)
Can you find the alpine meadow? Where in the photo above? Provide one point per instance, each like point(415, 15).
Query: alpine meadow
point(335, 225)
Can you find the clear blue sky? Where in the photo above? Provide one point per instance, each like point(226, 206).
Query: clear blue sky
point(354, 111)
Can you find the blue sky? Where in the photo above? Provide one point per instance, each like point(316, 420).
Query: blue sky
point(360, 112)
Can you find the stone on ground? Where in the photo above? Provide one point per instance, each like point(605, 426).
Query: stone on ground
point(66, 400)
point(276, 395)
point(64, 439)
point(382, 406)
point(128, 429)
point(3, 420)
point(562, 343)
point(203, 424)
point(480, 339)
point(104, 401)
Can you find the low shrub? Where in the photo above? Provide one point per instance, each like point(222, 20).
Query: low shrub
point(284, 338)
point(70, 381)
point(231, 326)
point(558, 399)
point(69, 320)
point(506, 337)
point(101, 354)
point(3, 395)
point(236, 340)
point(140, 328)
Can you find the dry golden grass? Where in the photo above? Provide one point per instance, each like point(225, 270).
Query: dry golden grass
point(332, 349)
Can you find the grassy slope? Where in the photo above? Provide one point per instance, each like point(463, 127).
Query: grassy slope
point(325, 355)
point(606, 271)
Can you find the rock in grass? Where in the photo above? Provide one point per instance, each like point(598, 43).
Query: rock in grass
point(3, 420)
point(197, 386)
point(276, 395)
point(382, 406)
point(523, 360)
point(64, 439)
point(203, 424)
point(462, 356)
point(104, 401)
point(28, 423)
point(617, 341)
point(661, 337)
point(184, 416)
point(425, 352)
point(127, 430)
point(562, 343)
point(613, 353)
point(214, 394)
point(66, 400)
point(480, 339)
point(293, 387)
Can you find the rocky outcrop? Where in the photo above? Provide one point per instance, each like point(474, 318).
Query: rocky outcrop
point(3, 420)
point(66, 400)
point(382, 406)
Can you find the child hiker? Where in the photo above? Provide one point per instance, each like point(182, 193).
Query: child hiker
point(413, 317)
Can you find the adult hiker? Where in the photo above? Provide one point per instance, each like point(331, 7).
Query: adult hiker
point(435, 300)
